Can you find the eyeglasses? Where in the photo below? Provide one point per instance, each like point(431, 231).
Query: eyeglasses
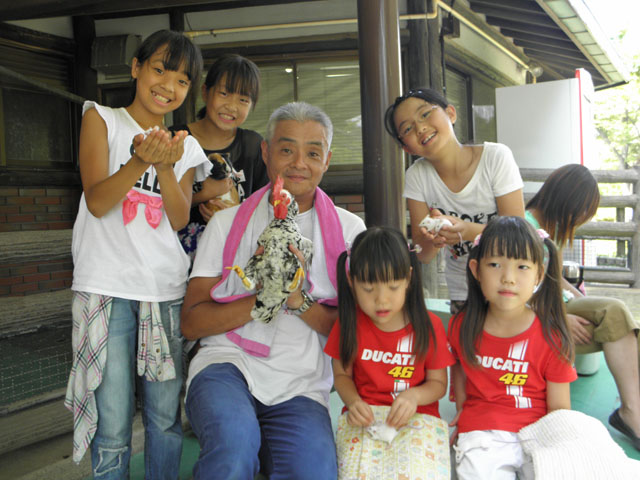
point(423, 114)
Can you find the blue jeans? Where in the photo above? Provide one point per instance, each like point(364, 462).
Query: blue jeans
point(111, 445)
point(238, 434)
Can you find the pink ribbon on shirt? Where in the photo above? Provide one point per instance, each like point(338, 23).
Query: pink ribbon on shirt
point(152, 212)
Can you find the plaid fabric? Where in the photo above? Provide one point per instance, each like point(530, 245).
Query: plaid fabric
point(91, 314)
point(154, 356)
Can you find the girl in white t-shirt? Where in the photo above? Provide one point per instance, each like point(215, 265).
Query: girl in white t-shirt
point(465, 184)
point(130, 272)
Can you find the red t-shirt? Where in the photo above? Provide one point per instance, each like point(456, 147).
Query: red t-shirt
point(508, 391)
point(384, 364)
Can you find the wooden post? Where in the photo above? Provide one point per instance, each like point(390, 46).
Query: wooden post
point(423, 54)
point(436, 72)
point(86, 78)
point(635, 243)
point(620, 244)
point(418, 47)
point(380, 80)
point(180, 115)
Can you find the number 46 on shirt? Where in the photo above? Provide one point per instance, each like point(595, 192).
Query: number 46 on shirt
point(514, 379)
point(401, 372)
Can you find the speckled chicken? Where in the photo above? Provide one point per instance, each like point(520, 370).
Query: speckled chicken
point(276, 271)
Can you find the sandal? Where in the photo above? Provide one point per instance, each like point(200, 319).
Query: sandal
point(616, 422)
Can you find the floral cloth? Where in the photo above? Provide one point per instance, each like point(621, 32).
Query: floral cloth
point(420, 451)
point(189, 237)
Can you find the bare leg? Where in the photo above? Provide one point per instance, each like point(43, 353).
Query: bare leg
point(621, 357)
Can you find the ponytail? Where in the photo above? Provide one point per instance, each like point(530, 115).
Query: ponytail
point(474, 313)
point(548, 305)
point(417, 310)
point(346, 313)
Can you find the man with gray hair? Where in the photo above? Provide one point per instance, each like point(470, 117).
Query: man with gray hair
point(257, 394)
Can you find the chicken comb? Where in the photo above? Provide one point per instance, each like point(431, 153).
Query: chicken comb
point(277, 188)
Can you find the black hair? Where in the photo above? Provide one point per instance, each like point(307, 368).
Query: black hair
point(179, 50)
point(514, 237)
point(241, 76)
point(381, 254)
point(567, 199)
point(427, 94)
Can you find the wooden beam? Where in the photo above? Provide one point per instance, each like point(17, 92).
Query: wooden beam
point(524, 6)
point(607, 229)
point(31, 9)
point(607, 201)
point(602, 176)
point(561, 54)
point(567, 49)
point(33, 40)
point(608, 276)
point(550, 31)
point(562, 41)
point(529, 18)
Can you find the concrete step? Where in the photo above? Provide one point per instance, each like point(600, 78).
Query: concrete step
point(52, 459)
point(31, 246)
point(33, 425)
point(19, 315)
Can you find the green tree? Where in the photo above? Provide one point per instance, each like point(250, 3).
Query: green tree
point(617, 120)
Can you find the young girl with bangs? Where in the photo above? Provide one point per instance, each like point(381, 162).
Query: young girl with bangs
point(389, 361)
point(130, 273)
point(513, 348)
point(230, 91)
point(466, 184)
point(566, 200)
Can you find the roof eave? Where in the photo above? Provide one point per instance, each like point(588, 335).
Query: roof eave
point(578, 22)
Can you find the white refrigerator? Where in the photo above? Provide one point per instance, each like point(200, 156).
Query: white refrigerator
point(548, 124)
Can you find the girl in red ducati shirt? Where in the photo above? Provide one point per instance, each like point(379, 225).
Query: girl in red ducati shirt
point(390, 359)
point(513, 347)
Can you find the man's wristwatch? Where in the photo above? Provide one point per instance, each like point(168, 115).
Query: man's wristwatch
point(307, 301)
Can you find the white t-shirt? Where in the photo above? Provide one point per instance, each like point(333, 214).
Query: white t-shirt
point(296, 365)
point(133, 261)
point(496, 175)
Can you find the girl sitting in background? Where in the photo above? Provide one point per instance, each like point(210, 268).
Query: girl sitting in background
point(566, 200)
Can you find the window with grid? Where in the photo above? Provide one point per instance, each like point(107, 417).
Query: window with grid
point(333, 85)
point(32, 136)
